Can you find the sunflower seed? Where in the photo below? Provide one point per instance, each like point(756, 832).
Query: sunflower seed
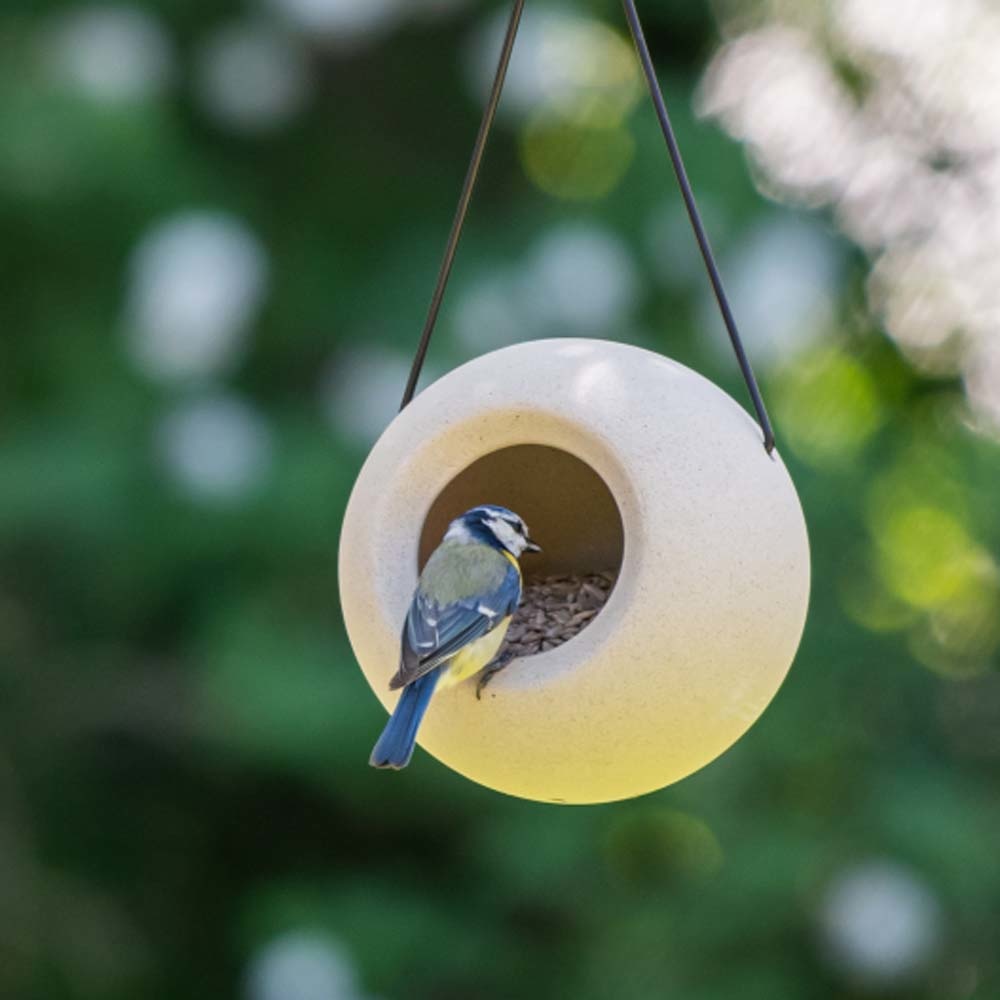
point(554, 609)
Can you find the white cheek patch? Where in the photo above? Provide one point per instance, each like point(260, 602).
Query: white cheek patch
point(506, 535)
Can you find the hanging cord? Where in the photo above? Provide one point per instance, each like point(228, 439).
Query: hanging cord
point(632, 15)
point(444, 273)
point(471, 175)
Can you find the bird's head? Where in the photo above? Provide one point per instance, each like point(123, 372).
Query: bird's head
point(492, 525)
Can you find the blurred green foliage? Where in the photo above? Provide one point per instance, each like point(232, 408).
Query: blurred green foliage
point(183, 730)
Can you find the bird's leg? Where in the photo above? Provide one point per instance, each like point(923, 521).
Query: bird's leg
point(491, 670)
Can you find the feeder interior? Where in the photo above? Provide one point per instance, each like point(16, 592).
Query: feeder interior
point(567, 506)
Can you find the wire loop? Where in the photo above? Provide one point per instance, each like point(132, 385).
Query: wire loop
point(655, 92)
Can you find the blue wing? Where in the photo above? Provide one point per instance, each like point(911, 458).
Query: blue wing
point(434, 633)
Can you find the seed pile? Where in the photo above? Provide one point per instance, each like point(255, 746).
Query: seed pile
point(553, 609)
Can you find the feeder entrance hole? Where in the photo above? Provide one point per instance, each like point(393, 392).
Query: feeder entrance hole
point(570, 512)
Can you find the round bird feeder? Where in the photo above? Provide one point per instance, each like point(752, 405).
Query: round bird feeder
point(627, 467)
point(616, 458)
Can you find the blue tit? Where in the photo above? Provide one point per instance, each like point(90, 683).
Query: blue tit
point(457, 621)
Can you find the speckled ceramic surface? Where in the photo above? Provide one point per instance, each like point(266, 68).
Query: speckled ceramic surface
point(613, 455)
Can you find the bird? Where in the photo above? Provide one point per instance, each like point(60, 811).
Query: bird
point(457, 620)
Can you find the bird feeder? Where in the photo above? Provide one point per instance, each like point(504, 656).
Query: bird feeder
point(616, 458)
point(622, 463)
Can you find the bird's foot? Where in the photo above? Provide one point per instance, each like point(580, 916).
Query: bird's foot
point(490, 671)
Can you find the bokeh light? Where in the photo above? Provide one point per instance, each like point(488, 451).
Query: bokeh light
point(363, 391)
point(579, 160)
point(343, 21)
point(782, 278)
point(564, 64)
point(580, 279)
point(347, 23)
point(197, 281)
point(571, 85)
point(888, 114)
point(880, 924)
point(216, 448)
point(112, 53)
point(828, 403)
point(252, 78)
point(301, 965)
point(655, 844)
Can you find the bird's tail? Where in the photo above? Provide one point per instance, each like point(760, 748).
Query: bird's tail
point(395, 746)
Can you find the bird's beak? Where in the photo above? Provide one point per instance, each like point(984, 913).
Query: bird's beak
point(532, 546)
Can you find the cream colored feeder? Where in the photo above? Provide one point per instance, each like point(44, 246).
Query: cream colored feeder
point(615, 457)
point(618, 459)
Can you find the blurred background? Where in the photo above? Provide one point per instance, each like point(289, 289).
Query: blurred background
point(219, 227)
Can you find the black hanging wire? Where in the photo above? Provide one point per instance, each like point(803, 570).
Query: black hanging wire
point(444, 273)
point(635, 26)
point(639, 38)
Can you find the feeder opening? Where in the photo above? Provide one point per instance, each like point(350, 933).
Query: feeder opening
point(571, 514)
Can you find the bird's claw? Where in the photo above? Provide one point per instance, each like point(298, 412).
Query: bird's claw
point(490, 671)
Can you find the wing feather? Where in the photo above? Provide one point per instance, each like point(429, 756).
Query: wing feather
point(435, 632)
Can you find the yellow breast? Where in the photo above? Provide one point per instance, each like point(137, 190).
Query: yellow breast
point(472, 658)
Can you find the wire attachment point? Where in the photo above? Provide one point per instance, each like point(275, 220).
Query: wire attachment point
point(472, 174)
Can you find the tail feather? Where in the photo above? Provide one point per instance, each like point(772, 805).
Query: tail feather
point(395, 746)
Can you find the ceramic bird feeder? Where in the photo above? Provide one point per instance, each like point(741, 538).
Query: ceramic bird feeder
point(624, 464)
point(616, 458)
